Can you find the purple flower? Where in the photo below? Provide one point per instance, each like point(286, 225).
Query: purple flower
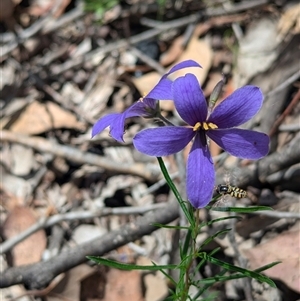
point(145, 107)
point(191, 105)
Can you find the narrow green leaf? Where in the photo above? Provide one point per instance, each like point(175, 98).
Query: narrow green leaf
point(267, 266)
point(208, 283)
point(210, 238)
point(214, 279)
point(200, 264)
point(234, 268)
point(129, 267)
point(172, 280)
point(175, 191)
point(209, 223)
point(242, 209)
point(187, 243)
point(205, 287)
point(170, 227)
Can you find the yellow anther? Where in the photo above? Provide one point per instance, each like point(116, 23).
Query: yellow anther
point(197, 126)
point(212, 126)
point(205, 126)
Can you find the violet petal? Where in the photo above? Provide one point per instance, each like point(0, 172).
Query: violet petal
point(237, 108)
point(139, 108)
point(163, 91)
point(105, 122)
point(182, 65)
point(162, 141)
point(189, 99)
point(200, 175)
point(241, 143)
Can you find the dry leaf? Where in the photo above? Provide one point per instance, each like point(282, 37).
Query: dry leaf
point(146, 82)
point(84, 233)
point(123, 286)
point(155, 284)
point(69, 288)
point(15, 186)
point(172, 54)
point(285, 248)
point(258, 50)
point(199, 51)
point(290, 21)
point(31, 249)
point(22, 158)
point(38, 118)
point(39, 8)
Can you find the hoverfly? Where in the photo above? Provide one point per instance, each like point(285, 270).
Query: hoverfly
point(228, 190)
point(233, 191)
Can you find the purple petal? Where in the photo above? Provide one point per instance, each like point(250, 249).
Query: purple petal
point(163, 90)
point(104, 122)
point(117, 127)
point(237, 108)
point(116, 121)
point(189, 99)
point(182, 65)
point(163, 141)
point(241, 143)
point(143, 108)
point(151, 103)
point(200, 175)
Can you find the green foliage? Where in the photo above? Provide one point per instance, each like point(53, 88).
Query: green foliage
point(99, 7)
point(190, 252)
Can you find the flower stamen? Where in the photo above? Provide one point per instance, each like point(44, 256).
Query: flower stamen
point(204, 126)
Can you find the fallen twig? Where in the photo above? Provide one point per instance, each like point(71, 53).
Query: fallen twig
point(284, 85)
point(151, 33)
point(279, 214)
point(286, 157)
point(78, 215)
point(286, 112)
point(43, 26)
point(148, 60)
point(75, 155)
point(42, 292)
point(39, 275)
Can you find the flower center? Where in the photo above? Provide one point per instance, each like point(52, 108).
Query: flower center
point(204, 126)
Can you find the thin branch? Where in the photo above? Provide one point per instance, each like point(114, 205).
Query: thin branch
point(285, 84)
point(289, 127)
point(286, 112)
point(39, 275)
point(148, 60)
point(42, 25)
point(75, 155)
point(79, 215)
point(278, 214)
point(43, 292)
point(288, 156)
point(283, 175)
point(184, 21)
